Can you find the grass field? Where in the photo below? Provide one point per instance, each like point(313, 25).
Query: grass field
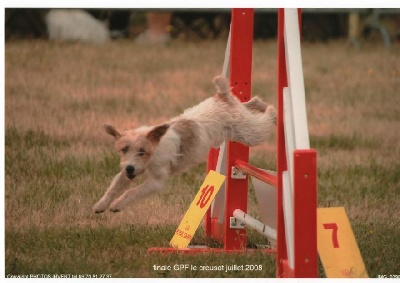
point(59, 161)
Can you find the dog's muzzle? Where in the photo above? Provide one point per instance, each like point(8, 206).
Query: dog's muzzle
point(130, 171)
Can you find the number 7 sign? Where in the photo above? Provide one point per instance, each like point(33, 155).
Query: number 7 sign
point(337, 246)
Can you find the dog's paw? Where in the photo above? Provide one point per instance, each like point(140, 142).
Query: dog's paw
point(116, 206)
point(99, 207)
point(114, 209)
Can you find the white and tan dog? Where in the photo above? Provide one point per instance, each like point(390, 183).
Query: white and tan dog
point(184, 141)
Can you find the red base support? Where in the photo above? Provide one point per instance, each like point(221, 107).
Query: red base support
point(201, 250)
point(305, 213)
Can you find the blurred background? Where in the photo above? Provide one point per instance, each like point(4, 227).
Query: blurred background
point(160, 26)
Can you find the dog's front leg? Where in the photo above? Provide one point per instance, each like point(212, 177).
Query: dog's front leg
point(118, 184)
point(147, 188)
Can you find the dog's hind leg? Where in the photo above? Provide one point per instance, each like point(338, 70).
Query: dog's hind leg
point(256, 104)
point(118, 184)
point(255, 128)
point(223, 89)
point(222, 84)
point(147, 188)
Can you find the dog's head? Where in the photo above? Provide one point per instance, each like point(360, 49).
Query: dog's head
point(136, 147)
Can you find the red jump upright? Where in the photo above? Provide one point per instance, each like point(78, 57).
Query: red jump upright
point(304, 186)
point(240, 78)
point(241, 45)
point(296, 248)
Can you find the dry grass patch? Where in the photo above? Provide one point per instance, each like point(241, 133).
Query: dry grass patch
point(59, 161)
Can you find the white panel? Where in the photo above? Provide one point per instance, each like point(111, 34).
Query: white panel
point(295, 78)
point(288, 216)
point(289, 131)
point(266, 200)
point(225, 67)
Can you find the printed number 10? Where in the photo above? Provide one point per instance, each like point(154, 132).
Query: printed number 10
point(334, 228)
point(205, 196)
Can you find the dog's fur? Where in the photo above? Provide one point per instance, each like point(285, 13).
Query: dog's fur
point(182, 142)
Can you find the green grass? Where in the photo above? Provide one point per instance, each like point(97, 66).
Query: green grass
point(59, 161)
point(377, 243)
point(361, 182)
point(335, 142)
point(77, 251)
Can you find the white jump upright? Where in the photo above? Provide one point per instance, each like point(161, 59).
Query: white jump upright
point(297, 171)
point(295, 118)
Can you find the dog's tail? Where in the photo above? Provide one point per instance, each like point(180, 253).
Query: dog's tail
point(222, 85)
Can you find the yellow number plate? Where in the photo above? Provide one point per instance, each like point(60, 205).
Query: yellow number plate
point(197, 210)
point(337, 246)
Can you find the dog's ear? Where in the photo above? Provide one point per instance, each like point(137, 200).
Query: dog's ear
point(112, 131)
point(157, 133)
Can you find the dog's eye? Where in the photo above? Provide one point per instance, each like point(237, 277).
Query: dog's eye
point(125, 149)
point(141, 151)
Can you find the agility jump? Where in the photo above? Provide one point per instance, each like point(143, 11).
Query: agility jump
point(291, 191)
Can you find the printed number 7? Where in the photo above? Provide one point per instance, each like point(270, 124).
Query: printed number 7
point(334, 228)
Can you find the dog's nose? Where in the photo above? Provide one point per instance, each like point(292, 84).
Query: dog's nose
point(130, 170)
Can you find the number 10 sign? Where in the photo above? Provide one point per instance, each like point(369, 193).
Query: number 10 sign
point(337, 246)
point(197, 209)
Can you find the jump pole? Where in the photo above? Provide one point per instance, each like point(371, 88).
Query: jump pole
point(240, 79)
point(240, 73)
point(296, 162)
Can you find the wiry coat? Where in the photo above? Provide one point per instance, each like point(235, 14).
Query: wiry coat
point(184, 141)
